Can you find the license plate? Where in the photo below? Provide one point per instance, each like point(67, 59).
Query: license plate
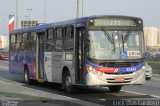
point(119, 79)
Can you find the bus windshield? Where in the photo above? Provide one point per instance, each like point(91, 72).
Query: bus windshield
point(109, 45)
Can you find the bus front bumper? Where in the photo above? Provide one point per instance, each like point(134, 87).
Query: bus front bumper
point(136, 78)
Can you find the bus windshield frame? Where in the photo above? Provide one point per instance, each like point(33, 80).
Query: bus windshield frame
point(107, 43)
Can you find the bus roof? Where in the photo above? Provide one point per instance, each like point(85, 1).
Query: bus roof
point(43, 27)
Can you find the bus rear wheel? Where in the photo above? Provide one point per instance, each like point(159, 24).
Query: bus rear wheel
point(26, 76)
point(67, 83)
point(115, 88)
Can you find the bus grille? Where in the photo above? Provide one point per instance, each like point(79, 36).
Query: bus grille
point(119, 73)
point(112, 80)
point(119, 64)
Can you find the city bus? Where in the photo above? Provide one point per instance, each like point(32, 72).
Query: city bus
point(100, 51)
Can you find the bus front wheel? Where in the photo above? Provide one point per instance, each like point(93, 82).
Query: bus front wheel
point(115, 88)
point(67, 83)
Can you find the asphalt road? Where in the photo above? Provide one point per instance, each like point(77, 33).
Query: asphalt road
point(14, 92)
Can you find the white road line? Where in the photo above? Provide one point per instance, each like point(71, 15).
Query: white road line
point(134, 92)
point(140, 93)
point(155, 79)
point(102, 99)
point(4, 67)
point(156, 74)
point(4, 61)
point(155, 96)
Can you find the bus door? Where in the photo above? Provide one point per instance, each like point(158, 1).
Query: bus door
point(40, 55)
point(49, 47)
point(79, 57)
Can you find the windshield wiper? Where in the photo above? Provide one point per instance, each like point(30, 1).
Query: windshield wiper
point(114, 47)
point(110, 38)
point(125, 38)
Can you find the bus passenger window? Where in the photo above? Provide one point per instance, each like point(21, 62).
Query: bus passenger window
point(68, 39)
point(50, 34)
point(32, 42)
point(59, 39)
point(12, 42)
point(18, 42)
point(49, 44)
point(24, 42)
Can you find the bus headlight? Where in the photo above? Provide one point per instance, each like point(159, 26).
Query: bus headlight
point(91, 69)
point(144, 67)
point(94, 71)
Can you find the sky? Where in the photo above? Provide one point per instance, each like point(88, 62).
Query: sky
point(58, 10)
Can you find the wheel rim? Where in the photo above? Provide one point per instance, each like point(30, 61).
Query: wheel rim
point(68, 82)
point(26, 76)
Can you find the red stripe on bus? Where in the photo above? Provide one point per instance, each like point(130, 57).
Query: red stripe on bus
point(108, 70)
point(33, 69)
point(105, 70)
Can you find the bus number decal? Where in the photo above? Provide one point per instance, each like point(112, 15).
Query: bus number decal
point(131, 69)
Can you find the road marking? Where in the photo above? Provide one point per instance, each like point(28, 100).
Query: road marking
point(4, 61)
point(156, 74)
point(102, 99)
point(155, 96)
point(30, 93)
point(140, 93)
point(4, 67)
point(155, 79)
point(134, 92)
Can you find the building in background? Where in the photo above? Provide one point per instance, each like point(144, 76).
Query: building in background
point(25, 24)
point(4, 42)
point(152, 38)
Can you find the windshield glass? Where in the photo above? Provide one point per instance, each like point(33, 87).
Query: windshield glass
point(107, 45)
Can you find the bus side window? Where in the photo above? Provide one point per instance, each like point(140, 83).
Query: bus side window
point(12, 42)
point(24, 42)
point(50, 40)
point(18, 42)
point(59, 39)
point(68, 39)
point(32, 42)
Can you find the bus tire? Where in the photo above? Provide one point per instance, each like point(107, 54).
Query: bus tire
point(148, 78)
point(115, 88)
point(67, 83)
point(26, 76)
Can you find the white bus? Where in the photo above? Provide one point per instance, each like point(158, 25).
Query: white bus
point(90, 51)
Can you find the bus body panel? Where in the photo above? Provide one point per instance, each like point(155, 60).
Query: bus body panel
point(18, 62)
point(58, 65)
